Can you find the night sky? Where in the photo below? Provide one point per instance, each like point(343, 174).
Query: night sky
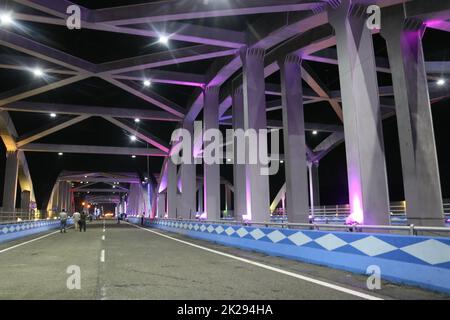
point(91, 45)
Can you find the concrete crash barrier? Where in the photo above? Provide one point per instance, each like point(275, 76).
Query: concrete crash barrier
point(412, 260)
point(13, 231)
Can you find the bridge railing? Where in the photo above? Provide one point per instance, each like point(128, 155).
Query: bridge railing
point(410, 229)
point(20, 215)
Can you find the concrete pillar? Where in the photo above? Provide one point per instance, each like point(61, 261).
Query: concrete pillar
point(172, 190)
point(188, 181)
point(366, 166)
point(25, 199)
point(61, 196)
point(421, 181)
point(200, 199)
point(161, 205)
point(211, 183)
point(10, 185)
point(228, 198)
point(240, 205)
point(55, 196)
point(315, 184)
point(297, 205)
point(257, 184)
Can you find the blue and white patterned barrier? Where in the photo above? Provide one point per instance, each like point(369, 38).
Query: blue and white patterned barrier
point(414, 260)
point(18, 230)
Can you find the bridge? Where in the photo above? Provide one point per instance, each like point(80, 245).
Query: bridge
point(270, 149)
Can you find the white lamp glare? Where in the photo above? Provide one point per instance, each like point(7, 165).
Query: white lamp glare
point(163, 39)
point(6, 18)
point(133, 138)
point(137, 120)
point(147, 83)
point(440, 82)
point(314, 132)
point(52, 115)
point(38, 72)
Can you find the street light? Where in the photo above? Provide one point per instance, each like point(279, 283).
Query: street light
point(38, 72)
point(441, 82)
point(163, 39)
point(6, 18)
point(147, 83)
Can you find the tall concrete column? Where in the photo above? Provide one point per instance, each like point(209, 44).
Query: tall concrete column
point(297, 205)
point(172, 190)
point(257, 184)
point(25, 199)
point(211, 183)
point(240, 205)
point(188, 181)
point(315, 184)
point(415, 123)
point(366, 166)
point(161, 205)
point(10, 185)
point(200, 199)
point(228, 198)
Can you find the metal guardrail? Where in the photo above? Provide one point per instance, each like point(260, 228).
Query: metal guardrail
point(411, 229)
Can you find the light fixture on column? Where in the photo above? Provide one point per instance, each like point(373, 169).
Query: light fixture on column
point(281, 161)
point(440, 82)
point(38, 72)
point(163, 39)
point(6, 18)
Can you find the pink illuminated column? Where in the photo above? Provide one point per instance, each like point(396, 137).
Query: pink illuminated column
point(415, 123)
point(366, 169)
point(172, 189)
point(240, 210)
point(188, 180)
point(211, 172)
point(297, 207)
point(257, 184)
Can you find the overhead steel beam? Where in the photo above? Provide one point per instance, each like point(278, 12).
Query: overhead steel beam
point(142, 135)
point(82, 149)
point(52, 128)
point(126, 113)
point(177, 31)
point(160, 59)
point(196, 9)
point(148, 96)
point(167, 77)
point(98, 190)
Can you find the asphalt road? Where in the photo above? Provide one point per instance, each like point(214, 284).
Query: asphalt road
point(126, 262)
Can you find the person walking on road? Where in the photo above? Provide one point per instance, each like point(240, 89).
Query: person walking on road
point(63, 220)
point(76, 220)
point(82, 222)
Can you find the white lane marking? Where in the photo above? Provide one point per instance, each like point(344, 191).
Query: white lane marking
point(102, 256)
point(30, 241)
point(264, 266)
point(103, 237)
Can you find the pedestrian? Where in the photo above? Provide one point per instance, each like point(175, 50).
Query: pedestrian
point(82, 222)
point(118, 218)
point(63, 220)
point(142, 218)
point(76, 220)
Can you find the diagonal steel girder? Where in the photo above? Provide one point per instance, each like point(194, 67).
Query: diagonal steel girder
point(185, 10)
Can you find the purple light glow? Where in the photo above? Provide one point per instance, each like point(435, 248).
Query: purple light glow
point(357, 214)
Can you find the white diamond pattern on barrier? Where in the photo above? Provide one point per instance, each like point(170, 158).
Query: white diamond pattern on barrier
point(202, 228)
point(5, 230)
point(196, 227)
point(430, 251)
point(372, 246)
point(242, 232)
point(330, 242)
point(219, 230)
point(229, 231)
point(276, 236)
point(210, 229)
point(190, 226)
point(299, 238)
point(257, 234)
point(18, 228)
point(12, 229)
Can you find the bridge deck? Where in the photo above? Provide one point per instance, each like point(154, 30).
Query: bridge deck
point(150, 264)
